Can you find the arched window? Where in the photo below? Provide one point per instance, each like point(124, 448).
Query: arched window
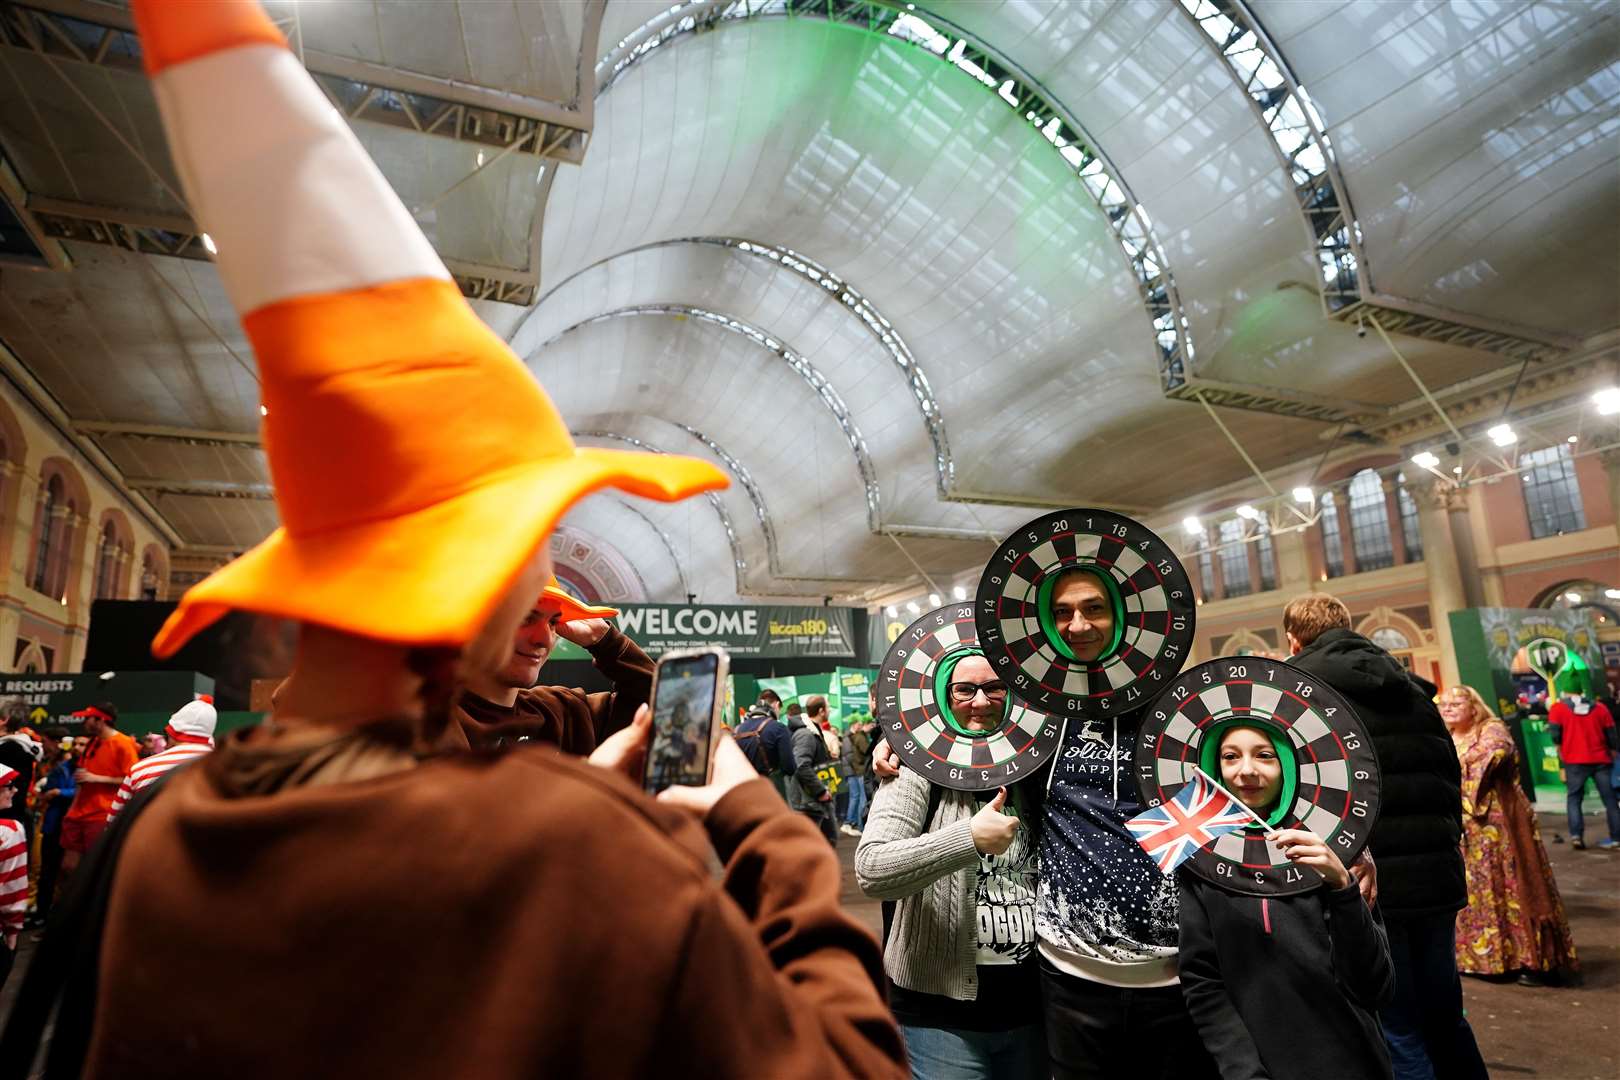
point(107, 564)
point(1409, 520)
point(1332, 541)
point(149, 577)
point(1552, 496)
point(49, 528)
point(1369, 522)
point(1235, 559)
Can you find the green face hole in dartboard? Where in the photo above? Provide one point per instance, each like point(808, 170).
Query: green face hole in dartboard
point(1209, 759)
point(942, 690)
point(1043, 609)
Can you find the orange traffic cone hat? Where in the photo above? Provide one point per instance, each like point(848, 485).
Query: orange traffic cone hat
point(571, 607)
point(417, 464)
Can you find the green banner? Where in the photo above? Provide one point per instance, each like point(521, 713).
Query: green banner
point(50, 700)
point(764, 630)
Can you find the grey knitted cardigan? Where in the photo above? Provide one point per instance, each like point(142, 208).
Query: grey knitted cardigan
point(932, 872)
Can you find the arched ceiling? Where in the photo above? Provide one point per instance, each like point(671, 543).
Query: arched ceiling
point(909, 273)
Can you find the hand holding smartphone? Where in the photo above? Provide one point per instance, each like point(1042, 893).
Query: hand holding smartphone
point(687, 696)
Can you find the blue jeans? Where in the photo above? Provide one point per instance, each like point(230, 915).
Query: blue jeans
point(1428, 1035)
point(1575, 778)
point(953, 1054)
point(857, 801)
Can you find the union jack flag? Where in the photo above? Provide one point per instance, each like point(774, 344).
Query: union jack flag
point(1199, 813)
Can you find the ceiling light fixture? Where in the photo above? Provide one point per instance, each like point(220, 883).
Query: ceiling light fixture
point(1304, 495)
point(263, 411)
point(911, 606)
point(1574, 438)
point(934, 600)
point(891, 611)
point(1503, 435)
point(959, 593)
point(208, 242)
point(1612, 594)
point(1573, 597)
point(1425, 459)
point(1607, 401)
point(1192, 525)
point(1247, 513)
point(1457, 469)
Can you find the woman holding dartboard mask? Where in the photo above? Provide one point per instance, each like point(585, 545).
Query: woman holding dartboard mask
point(960, 954)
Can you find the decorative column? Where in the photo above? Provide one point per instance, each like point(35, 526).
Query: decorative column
point(1436, 500)
point(1392, 514)
point(1611, 467)
point(1347, 539)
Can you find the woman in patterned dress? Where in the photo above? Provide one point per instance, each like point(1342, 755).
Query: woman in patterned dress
point(1515, 919)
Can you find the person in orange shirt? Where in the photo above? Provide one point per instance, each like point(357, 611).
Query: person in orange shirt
point(106, 759)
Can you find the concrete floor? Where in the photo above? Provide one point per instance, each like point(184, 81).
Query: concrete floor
point(1561, 1033)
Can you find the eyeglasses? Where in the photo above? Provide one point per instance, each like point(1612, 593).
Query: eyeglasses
point(966, 691)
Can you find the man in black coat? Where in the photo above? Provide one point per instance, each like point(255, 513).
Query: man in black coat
point(1421, 886)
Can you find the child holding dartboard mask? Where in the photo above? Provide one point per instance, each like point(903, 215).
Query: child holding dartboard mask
point(1289, 985)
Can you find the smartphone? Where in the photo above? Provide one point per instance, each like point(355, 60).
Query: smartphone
point(687, 696)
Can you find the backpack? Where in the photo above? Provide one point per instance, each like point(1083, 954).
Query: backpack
point(751, 741)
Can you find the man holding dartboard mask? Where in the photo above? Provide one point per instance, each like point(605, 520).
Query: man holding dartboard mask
point(1087, 615)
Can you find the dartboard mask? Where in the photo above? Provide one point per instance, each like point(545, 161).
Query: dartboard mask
point(1330, 776)
point(1135, 605)
point(914, 708)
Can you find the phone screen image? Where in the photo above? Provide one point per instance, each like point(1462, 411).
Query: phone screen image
point(683, 711)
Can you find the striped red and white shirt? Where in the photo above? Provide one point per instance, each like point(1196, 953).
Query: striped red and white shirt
point(13, 876)
point(149, 769)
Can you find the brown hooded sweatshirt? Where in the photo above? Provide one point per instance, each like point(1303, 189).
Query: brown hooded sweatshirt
point(349, 912)
point(560, 715)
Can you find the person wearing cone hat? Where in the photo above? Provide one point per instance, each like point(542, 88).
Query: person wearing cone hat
point(504, 706)
point(356, 905)
point(190, 733)
point(105, 756)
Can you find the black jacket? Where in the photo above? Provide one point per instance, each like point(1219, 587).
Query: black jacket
point(804, 786)
point(1286, 986)
point(1415, 842)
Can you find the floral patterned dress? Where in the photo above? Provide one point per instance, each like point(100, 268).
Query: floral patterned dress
point(1515, 917)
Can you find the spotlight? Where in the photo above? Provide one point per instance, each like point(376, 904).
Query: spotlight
point(1607, 401)
point(1573, 597)
point(891, 611)
point(263, 411)
point(1426, 459)
point(911, 606)
point(1457, 469)
point(1503, 435)
point(208, 242)
point(1247, 513)
point(959, 593)
point(1304, 495)
point(1612, 594)
point(1192, 525)
point(934, 600)
point(1574, 438)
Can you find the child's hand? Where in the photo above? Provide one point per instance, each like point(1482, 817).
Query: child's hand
point(1305, 847)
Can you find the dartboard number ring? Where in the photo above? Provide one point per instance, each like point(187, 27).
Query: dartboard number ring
point(1145, 587)
point(1330, 780)
point(920, 728)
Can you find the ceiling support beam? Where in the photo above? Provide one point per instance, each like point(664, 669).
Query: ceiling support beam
point(203, 489)
point(158, 432)
point(360, 89)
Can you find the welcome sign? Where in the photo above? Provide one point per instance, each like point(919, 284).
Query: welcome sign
point(763, 630)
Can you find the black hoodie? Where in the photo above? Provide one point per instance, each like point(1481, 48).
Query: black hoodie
point(1415, 842)
point(1286, 987)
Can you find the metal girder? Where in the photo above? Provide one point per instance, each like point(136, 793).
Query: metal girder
point(189, 436)
point(178, 237)
point(50, 254)
point(1266, 399)
point(1414, 320)
point(207, 489)
point(92, 32)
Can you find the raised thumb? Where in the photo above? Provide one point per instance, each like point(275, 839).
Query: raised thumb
point(999, 801)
